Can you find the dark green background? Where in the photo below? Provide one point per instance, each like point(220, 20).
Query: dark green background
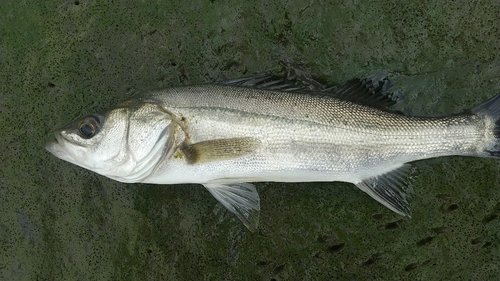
point(62, 60)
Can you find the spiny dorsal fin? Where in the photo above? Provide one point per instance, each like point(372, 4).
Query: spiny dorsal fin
point(266, 81)
point(391, 189)
point(220, 149)
point(240, 199)
point(370, 91)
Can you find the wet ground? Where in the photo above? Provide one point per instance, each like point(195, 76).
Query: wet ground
point(62, 60)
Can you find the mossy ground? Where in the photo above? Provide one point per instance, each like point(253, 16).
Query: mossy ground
point(62, 60)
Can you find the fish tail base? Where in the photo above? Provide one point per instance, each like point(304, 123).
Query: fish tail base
point(491, 109)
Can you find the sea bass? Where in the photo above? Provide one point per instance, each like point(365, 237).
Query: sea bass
point(230, 134)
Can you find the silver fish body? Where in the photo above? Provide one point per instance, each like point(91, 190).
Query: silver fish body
point(308, 137)
point(226, 136)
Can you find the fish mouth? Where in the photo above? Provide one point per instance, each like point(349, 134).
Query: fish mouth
point(57, 149)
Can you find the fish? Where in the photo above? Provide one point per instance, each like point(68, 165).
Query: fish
point(231, 134)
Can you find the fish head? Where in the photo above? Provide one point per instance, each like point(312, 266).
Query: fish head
point(124, 144)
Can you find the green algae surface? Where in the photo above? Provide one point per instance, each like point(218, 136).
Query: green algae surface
point(60, 60)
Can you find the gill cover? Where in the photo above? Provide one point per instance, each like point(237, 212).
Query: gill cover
point(124, 144)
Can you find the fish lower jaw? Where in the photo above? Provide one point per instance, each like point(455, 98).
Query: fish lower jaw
point(58, 151)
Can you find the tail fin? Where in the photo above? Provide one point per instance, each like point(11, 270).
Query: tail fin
point(491, 110)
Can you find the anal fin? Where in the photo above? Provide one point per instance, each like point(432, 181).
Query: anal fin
point(391, 189)
point(240, 199)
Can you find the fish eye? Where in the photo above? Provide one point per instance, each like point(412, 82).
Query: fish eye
point(89, 126)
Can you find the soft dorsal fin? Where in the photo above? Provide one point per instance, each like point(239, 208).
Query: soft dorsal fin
point(371, 91)
point(240, 199)
point(391, 189)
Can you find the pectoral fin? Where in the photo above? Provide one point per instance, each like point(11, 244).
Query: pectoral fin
point(391, 189)
point(220, 149)
point(241, 199)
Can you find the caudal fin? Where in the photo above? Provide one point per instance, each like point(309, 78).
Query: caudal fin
point(491, 110)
